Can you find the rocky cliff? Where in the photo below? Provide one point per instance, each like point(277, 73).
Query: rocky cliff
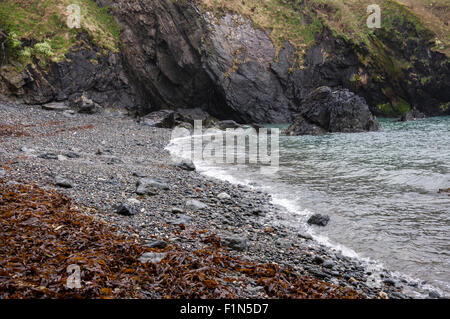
point(252, 62)
point(42, 60)
point(326, 111)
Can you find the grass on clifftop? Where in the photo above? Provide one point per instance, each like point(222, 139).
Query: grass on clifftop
point(299, 21)
point(38, 28)
point(281, 17)
point(435, 15)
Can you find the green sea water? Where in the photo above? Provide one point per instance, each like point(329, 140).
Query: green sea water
point(380, 190)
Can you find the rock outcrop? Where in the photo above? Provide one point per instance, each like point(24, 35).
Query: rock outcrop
point(325, 110)
point(178, 55)
point(88, 70)
point(411, 116)
point(182, 56)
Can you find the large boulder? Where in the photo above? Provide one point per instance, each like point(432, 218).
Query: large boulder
point(328, 111)
point(83, 104)
point(196, 114)
point(412, 116)
point(162, 119)
point(180, 117)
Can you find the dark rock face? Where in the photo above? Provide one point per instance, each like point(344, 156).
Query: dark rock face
point(424, 85)
point(303, 127)
point(179, 58)
point(411, 116)
point(87, 70)
point(174, 56)
point(325, 110)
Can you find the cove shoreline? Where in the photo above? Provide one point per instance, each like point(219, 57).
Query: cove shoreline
point(103, 156)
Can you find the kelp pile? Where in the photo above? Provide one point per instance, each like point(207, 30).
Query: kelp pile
point(43, 232)
point(213, 273)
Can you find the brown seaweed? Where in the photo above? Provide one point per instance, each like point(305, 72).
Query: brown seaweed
point(43, 232)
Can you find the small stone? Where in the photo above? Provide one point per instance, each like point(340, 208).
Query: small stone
point(319, 274)
point(318, 260)
point(177, 210)
point(152, 257)
point(139, 174)
point(282, 243)
point(85, 105)
point(114, 160)
point(55, 106)
point(69, 113)
point(236, 243)
point(50, 156)
point(195, 205)
point(61, 158)
point(133, 201)
point(103, 152)
point(319, 220)
point(434, 294)
point(181, 220)
point(223, 195)
point(156, 244)
point(305, 236)
point(149, 186)
point(62, 182)
point(186, 165)
point(71, 154)
point(27, 151)
point(389, 281)
point(383, 295)
point(126, 210)
point(258, 212)
point(2, 173)
point(328, 264)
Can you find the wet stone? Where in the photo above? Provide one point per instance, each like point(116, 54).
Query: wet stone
point(126, 210)
point(319, 220)
point(49, 156)
point(62, 182)
point(156, 244)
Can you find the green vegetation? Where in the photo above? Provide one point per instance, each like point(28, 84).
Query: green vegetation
point(281, 17)
point(299, 21)
point(395, 109)
point(444, 107)
point(37, 29)
point(425, 80)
